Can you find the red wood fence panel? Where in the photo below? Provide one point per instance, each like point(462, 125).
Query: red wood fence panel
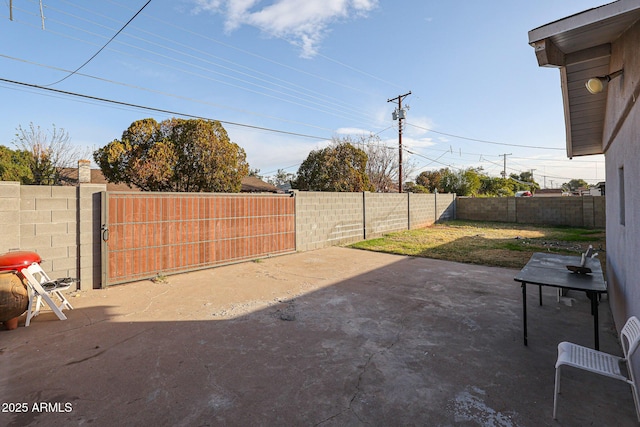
point(151, 234)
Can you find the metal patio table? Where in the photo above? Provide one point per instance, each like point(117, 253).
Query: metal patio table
point(547, 269)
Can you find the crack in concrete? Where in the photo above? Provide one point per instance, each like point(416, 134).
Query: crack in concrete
point(364, 369)
point(75, 362)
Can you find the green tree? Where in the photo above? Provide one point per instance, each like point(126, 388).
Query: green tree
point(411, 187)
point(464, 182)
point(524, 181)
point(495, 186)
point(174, 155)
point(15, 165)
point(430, 180)
point(340, 167)
point(574, 184)
point(471, 181)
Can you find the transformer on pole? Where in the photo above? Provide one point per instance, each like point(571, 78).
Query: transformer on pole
point(399, 115)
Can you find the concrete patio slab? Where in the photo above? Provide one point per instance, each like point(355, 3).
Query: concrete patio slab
point(333, 337)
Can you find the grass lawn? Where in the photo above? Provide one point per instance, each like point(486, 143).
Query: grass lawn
point(487, 243)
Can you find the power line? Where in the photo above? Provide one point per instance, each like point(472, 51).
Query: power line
point(182, 97)
point(159, 110)
point(104, 46)
point(128, 34)
point(331, 105)
point(484, 159)
point(335, 101)
point(484, 141)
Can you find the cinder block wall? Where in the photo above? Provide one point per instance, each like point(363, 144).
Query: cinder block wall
point(62, 224)
point(9, 216)
point(56, 222)
point(327, 219)
point(426, 209)
point(422, 210)
point(385, 213)
point(483, 209)
point(446, 206)
point(585, 211)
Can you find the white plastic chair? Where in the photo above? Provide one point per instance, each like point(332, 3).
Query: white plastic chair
point(606, 364)
point(41, 287)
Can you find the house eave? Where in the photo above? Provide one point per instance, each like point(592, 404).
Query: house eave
point(580, 46)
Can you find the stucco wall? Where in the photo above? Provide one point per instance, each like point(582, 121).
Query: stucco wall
point(623, 154)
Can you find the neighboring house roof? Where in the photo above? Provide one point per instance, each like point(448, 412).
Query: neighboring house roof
point(252, 184)
point(249, 184)
point(580, 45)
point(98, 178)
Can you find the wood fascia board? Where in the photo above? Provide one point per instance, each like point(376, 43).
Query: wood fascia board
point(583, 19)
point(565, 107)
point(548, 54)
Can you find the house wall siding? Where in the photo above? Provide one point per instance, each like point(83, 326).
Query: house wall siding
point(623, 239)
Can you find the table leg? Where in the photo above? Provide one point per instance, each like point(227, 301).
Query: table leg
point(594, 311)
point(524, 310)
point(540, 293)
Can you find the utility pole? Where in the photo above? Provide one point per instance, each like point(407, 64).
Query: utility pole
point(399, 115)
point(504, 170)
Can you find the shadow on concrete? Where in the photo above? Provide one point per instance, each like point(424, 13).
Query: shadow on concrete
point(332, 337)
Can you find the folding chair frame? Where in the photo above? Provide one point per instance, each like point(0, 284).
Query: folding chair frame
point(601, 363)
point(37, 279)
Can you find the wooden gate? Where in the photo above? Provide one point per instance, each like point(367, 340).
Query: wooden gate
point(149, 234)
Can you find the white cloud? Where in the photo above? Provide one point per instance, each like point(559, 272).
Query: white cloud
point(301, 22)
point(207, 6)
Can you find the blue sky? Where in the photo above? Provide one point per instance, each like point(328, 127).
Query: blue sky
point(309, 69)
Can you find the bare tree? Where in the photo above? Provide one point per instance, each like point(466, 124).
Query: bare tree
point(50, 152)
point(282, 179)
point(382, 163)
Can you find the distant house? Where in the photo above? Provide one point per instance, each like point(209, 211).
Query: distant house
point(548, 192)
point(599, 49)
point(84, 173)
point(252, 184)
